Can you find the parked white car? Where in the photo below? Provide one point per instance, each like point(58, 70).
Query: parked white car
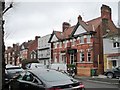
point(58, 66)
point(35, 65)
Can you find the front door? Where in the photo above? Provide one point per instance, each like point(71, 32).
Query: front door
point(114, 63)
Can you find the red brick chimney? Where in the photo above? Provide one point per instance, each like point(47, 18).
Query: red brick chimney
point(106, 12)
point(65, 25)
point(36, 37)
point(79, 17)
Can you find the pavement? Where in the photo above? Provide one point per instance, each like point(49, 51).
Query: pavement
point(100, 79)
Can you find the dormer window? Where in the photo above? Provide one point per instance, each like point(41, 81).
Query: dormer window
point(116, 44)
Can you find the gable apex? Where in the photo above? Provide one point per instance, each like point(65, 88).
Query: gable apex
point(79, 30)
point(54, 38)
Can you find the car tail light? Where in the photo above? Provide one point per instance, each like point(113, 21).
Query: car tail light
point(81, 85)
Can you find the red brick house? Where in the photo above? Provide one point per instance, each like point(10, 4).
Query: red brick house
point(12, 55)
point(32, 49)
point(82, 44)
point(28, 50)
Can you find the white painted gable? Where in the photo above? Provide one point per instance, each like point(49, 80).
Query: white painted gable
point(22, 47)
point(54, 38)
point(80, 30)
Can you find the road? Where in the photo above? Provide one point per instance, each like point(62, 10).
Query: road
point(92, 85)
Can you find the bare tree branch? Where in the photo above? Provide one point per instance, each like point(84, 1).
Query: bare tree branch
point(10, 6)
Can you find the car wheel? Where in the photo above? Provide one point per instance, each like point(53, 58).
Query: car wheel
point(110, 75)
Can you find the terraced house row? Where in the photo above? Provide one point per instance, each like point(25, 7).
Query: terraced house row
point(87, 45)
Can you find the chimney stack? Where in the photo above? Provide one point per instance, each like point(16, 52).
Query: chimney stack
point(79, 18)
point(36, 37)
point(105, 12)
point(65, 25)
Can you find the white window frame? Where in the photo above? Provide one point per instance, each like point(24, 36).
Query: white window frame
point(82, 56)
point(88, 56)
point(73, 42)
point(31, 56)
point(60, 44)
point(82, 40)
point(88, 38)
point(65, 44)
point(55, 44)
point(117, 44)
point(34, 56)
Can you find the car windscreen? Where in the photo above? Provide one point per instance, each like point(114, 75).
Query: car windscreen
point(13, 68)
point(52, 76)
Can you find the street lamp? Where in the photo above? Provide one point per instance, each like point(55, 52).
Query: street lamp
point(2, 63)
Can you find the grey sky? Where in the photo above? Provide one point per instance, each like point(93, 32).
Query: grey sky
point(29, 19)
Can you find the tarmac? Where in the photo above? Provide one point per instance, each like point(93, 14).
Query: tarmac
point(100, 79)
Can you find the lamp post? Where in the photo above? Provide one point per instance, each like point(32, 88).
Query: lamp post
point(2, 46)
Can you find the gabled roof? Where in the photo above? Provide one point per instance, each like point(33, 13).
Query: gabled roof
point(26, 44)
point(95, 22)
point(62, 35)
point(86, 26)
point(89, 26)
point(98, 21)
point(9, 50)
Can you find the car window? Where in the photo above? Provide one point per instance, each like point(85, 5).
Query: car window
point(119, 67)
point(36, 81)
point(21, 75)
point(28, 77)
point(13, 68)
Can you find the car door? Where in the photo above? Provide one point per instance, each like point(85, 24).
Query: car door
point(30, 82)
point(117, 71)
point(118, 74)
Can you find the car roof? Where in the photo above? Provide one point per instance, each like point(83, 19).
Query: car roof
point(10, 66)
point(41, 71)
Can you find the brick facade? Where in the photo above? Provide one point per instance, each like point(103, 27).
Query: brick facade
point(76, 49)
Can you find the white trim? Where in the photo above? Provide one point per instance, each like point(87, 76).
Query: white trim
point(87, 56)
point(78, 38)
point(73, 59)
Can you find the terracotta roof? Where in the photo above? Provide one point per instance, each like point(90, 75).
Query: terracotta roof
point(58, 34)
point(68, 32)
point(9, 50)
point(64, 35)
point(90, 25)
point(85, 25)
point(98, 21)
point(95, 22)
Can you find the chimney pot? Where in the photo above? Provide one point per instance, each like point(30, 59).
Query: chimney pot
point(65, 25)
point(79, 17)
point(106, 12)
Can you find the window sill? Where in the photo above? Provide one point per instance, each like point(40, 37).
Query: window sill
point(116, 47)
point(82, 43)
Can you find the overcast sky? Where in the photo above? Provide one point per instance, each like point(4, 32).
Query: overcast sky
point(29, 19)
